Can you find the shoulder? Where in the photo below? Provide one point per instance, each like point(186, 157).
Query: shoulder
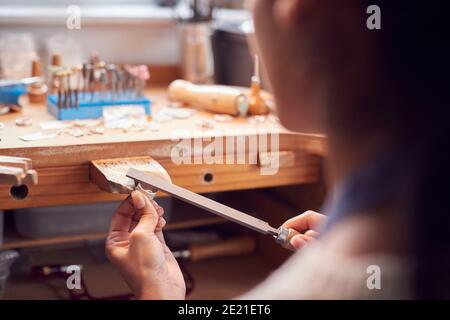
point(350, 262)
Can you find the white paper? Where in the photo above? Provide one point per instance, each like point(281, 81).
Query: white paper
point(54, 125)
point(37, 136)
point(177, 113)
point(124, 117)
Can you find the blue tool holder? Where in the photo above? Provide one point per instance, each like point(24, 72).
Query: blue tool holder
point(10, 94)
point(88, 109)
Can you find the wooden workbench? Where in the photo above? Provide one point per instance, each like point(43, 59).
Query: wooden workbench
point(62, 162)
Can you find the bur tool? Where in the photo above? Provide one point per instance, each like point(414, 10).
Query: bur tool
point(281, 235)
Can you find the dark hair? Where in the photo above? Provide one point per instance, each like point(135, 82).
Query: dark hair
point(415, 57)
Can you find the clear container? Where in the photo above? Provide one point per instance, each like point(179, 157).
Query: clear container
point(67, 47)
point(17, 50)
point(197, 63)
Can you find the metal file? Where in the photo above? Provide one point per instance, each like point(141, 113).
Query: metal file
point(152, 182)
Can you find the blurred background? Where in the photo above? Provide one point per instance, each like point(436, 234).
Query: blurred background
point(202, 41)
point(152, 32)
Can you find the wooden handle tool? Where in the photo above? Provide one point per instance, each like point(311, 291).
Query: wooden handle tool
point(214, 98)
point(217, 98)
point(37, 92)
point(236, 246)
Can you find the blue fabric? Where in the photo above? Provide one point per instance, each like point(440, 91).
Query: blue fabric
point(387, 178)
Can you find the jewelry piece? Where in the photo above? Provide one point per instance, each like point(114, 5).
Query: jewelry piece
point(24, 122)
point(150, 195)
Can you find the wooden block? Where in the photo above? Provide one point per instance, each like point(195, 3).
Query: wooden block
point(110, 174)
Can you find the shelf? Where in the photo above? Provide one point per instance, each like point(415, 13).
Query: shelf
point(228, 277)
point(13, 240)
point(220, 278)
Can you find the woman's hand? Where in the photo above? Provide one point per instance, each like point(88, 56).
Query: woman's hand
point(307, 223)
point(136, 246)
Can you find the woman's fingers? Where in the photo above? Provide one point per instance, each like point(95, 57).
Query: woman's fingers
point(122, 218)
point(149, 220)
point(118, 236)
point(298, 242)
point(136, 217)
point(137, 214)
point(158, 208)
point(306, 221)
point(148, 217)
point(311, 233)
point(161, 222)
point(301, 240)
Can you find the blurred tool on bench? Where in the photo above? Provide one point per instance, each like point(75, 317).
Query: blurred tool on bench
point(55, 65)
point(235, 101)
point(221, 99)
point(81, 91)
point(236, 246)
point(37, 91)
point(256, 104)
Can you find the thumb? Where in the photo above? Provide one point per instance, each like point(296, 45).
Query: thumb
point(148, 217)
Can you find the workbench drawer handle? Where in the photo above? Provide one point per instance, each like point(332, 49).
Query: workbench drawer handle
point(208, 177)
